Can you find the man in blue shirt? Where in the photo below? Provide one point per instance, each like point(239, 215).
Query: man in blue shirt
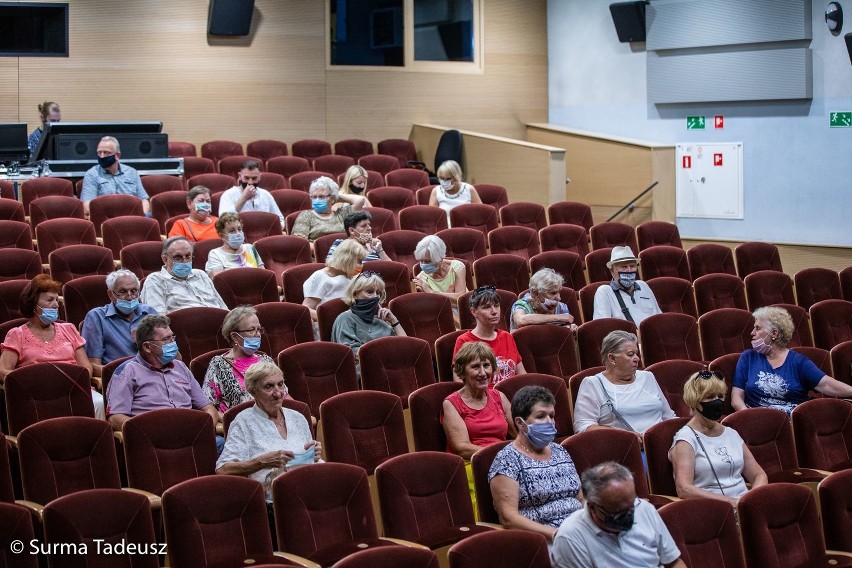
point(109, 177)
point(109, 329)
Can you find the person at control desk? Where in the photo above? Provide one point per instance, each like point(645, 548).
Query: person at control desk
point(625, 297)
point(48, 112)
point(109, 176)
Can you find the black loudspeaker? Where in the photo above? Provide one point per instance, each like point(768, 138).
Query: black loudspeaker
point(133, 146)
point(848, 38)
point(230, 17)
point(629, 20)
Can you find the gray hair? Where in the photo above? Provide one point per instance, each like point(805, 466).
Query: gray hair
point(777, 319)
point(146, 327)
point(196, 191)
point(233, 319)
point(171, 240)
point(113, 277)
point(326, 182)
point(596, 479)
point(114, 141)
point(258, 372)
point(613, 342)
point(546, 279)
point(433, 245)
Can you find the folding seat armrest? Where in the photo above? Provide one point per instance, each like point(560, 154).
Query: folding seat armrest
point(13, 440)
point(155, 500)
point(489, 525)
point(297, 559)
point(403, 542)
point(36, 509)
point(220, 429)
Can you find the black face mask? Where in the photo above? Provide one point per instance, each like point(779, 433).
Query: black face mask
point(620, 522)
point(355, 189)
point(366, 308)
point(106, 161)
point(712, 409)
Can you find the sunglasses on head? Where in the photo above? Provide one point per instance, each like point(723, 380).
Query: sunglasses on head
point(706, 374)
point(368, 274)
point(479, 292)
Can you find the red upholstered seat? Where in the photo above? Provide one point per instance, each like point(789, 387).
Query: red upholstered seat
point(524, 214)
point(753, 256)
point(712, 543)
point(501, 549)
point(655, 233)
point(710, 258)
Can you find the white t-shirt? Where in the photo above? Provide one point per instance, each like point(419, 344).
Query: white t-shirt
point(641, 403)
point(726, 453)
point(262, 201)
point(321, 285)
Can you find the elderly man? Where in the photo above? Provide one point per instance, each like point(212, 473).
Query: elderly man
point(177, 285)
point(108, 330)
point(615, 528)
point(357, 226)
point(247, 196)
point(109, 177)
point(542, 305)
point(154, 379)
point(625, 297)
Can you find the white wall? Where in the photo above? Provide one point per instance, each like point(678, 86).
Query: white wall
point(797, 172)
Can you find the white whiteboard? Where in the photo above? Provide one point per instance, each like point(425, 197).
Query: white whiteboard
point(709, 180)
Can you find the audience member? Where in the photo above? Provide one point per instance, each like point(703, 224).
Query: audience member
point(711, 460)
point(247, 196)
point(234, 252)
point(177, 285)
point(48, 112)
point(357, 226)
point(484, 304)
point(109, 177)
point(615, 528)
point(439, 274)
point(541, 304)
point(332, 281)
point(42, 339)
point(534, 483)
point(452, 191)
point(625, 297)
point(200, 225)
point(355, 183)
point(108, 330)
point(329, 208)
point(620, 396)
point(769, 374)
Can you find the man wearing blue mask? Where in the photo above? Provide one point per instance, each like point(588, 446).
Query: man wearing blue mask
point(247, 195)
point(109, 177)
point(625, 297)
point(615, 528)
point(177, 285)
point(154, 379)
point(108, 330)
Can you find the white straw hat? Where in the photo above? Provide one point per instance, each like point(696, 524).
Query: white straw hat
point(621, 254)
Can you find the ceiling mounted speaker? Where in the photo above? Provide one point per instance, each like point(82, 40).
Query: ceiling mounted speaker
point(629, 20)
point(230, 17)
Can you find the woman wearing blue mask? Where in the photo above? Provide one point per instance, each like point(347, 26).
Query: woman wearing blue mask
point(534, 483)
point(200, 225)
point(224, 382)
point(439, 274)
point(451, 191)
point(42, 339)
point(329, 208)
point(234, 252)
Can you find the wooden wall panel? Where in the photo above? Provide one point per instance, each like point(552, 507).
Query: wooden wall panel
point(153, 60)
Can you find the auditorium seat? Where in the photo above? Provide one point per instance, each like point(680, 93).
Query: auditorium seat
point(354, 148)
point(656, 233)
point(193, 166)
point(514, 239)
point(217, 149)
point(43, 186)
point(214, 182)
point(181, 149)
point(380, 163)
point(266, 149)
point(403, 150)
point(612, 234)
point(753, 256)
point(231, 165)
point(159, 183)
point(54, 207)
point(303, 180)
point(333, 164)
point(523, 213)
point(491, 194)
point(311, 149)
point(571, 212)
point(816, 284)
point(464, 242)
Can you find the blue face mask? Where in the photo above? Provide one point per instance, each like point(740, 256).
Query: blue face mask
point(203, 206)
point(48, 315)
point(319, 205)
point(126, 306)
point(540, 434)
point(236, 240)
point(429, 267)
point(304, 458)
point(626, 279)
point(182, 269)
point(170, 351)
point(251, 344)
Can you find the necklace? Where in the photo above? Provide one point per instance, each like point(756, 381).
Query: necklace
point(455, 195)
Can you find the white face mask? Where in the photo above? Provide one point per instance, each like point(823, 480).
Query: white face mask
point(446, 184)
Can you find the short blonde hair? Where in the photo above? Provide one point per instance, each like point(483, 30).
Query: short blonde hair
point(258, 372)
point(697, 387)
point(546, 279)
point(470, 352)
point(451, 168)
point(352, 173)
point(233, 319)
point(348, 254)
point(778, 319)
point(362, 282)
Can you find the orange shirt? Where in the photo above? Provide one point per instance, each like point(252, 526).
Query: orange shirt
point(195, 231)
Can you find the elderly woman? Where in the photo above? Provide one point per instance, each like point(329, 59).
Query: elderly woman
point(328, 209)
point(484, 304)
point(200, 225)
point(366, 319)
point(224, 382)
point(541, 304)
point(267, 438)
point(620, 396)
point(234, 252)
point(452, 191)
point(357, 226)
point(355, 183)
point(769, 374)
point(332, 281)
point(439, 274)
point(711, 460)
point(475, 416)
point(42, 339)
point(534, 483)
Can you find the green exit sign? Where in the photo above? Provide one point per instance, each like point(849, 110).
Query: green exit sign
point(840, 120)
point(695, 123)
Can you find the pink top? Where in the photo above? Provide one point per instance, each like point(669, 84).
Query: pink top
point(504, 348)
point(485, 426)
point(241, 365)
point(30, 349)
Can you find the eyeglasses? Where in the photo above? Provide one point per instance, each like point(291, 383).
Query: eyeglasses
point(254, 330)
point(168, 339)
point(618, 515)
point(707, 375)
point(182, 258)
point(126, 294)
